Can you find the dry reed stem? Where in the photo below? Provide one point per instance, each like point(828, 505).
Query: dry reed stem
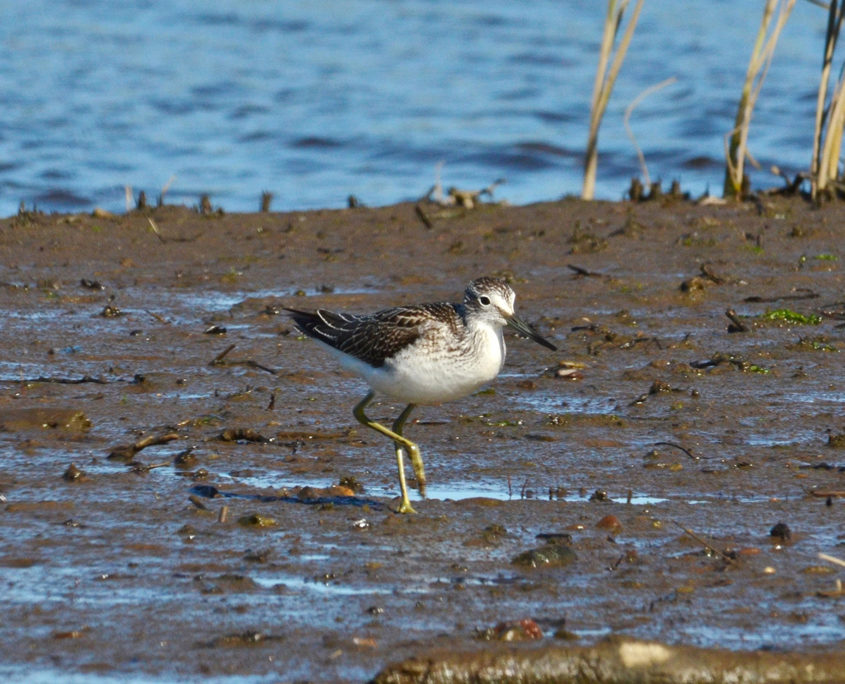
point(626, 120)
point(758, 67)
point(603, 85)
point(833, 139)
point(832, 559)
point(826, 154)
point(823, 146)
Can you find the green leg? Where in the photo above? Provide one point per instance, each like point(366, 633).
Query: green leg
point(416, 459)
point(401, 442)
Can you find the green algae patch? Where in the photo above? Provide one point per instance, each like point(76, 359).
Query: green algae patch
point(792, 317)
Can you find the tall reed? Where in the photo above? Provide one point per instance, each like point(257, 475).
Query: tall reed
point(736, 143)
point(606, 74)
point(827, 140)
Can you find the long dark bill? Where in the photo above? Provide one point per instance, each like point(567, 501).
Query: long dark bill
point(524, 329)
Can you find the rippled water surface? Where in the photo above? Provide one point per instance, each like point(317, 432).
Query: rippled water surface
point(315, 101)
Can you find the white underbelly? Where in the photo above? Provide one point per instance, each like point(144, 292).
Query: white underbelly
point(422, 377)
point(424, 374)
point(431, 386)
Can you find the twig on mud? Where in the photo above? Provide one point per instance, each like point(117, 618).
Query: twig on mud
point(160, 319)
point(128, 451)
point(736, 324)
point(194, 499)
point(254, 364)
point(832, 559)
point(220, 360)
point(155, 229)
point(678, 446)
point(707, 272)
point(423, 217)
point(144, 468)
point(579, 271)
point(763, 300)
point(707, 277)
point(704, 542)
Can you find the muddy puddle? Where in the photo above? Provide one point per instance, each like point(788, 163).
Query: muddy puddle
point(186, 495)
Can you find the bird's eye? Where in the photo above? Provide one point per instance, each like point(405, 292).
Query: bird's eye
point(485, 300)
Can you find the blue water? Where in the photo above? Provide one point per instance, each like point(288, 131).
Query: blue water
point(314, 101)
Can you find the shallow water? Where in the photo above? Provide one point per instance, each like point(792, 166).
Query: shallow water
point(317, 101)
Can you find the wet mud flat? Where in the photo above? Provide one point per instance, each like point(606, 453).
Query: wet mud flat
point(186, 495)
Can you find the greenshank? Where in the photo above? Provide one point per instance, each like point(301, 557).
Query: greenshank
point(422, 354)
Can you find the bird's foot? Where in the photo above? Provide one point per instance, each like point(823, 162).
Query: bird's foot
point(405, 506)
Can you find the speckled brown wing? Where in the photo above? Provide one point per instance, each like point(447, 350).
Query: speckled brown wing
point(373, 338)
